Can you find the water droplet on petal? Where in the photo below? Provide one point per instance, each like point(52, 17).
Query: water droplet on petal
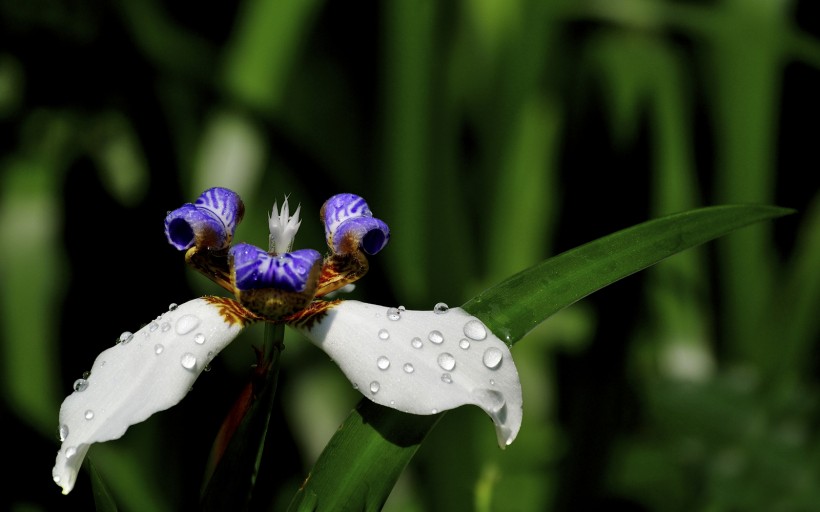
point(80, 385)
point(153, 326)
point(172, 306)
point(158, 348)
point(436, 337)
point(383, 363)
point(446, 378)
point(416, 342)
point(188, 361)
point(492, 358)
point(374, 387)
point(440, 308)
point(408, 368)
point(491, 399)
point(446, 361)
point(383, 334)
point(434, 411)
point(394, 314)
point(199, 338)
point(475, 330)
point(186, 324)
point(402, 308)
point(125, 337)
point(165, 327)
point(87, 374)
point(56, 478)
point(63, 432)
point(464, 343)
point(355, 386)
point(89, 414)
point(70, 452)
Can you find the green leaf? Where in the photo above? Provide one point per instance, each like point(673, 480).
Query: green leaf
point(363, 460)
point(103, 500)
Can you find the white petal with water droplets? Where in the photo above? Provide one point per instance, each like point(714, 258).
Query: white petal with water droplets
point(131, 381)
point(430, 369)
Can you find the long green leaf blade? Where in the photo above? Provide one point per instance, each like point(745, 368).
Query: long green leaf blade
point(363, 460)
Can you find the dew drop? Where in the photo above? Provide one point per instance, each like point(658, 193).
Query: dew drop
point(475, 330)
point(434, 411)
point(80, 385)
point(440, 308)
point(165, 327)
point(383, 363)
point(416, 342)
point(402, 309)
point(158, 348)
point(56, 478)
point(355, 386)
point(446, 378)
point(492, 358)
point(89, 414)
point(199, 338)
point(153, 326)
point(186, 324)
point(188, 361)
point(125, 337)
point(408, 368)
point(63, 432)
point(491, 399)
point(446, 361)
point(70, 452)
point(87, 374)
point(464, 343)
point(394, 314)
point(383, 334)
point(492, 382)
point(436, 337)
point(172, 306)
point(374, 387)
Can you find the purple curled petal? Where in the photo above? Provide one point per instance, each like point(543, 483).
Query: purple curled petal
point(340, 208)
point(256, 269)
point(209, 223)
point(350, 225)
point(188, 226)
point(367, 233)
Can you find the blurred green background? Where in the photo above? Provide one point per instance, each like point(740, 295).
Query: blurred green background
point(489, 134)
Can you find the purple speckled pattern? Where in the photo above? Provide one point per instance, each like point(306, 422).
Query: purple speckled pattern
point(209, 223)
point(257, 269)
point(347, 215)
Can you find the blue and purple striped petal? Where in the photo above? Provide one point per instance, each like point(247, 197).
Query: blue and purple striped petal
point(208, 223)
point(350, 225)
point(256, 269)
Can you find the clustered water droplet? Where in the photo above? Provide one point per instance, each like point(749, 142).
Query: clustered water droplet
point(436, 337)
point(186, 324)
point(394, 314)
point(475, 330)
point(446, 361)
point(383, 334)
point(63, 432)
point(80, 385)
point(374, 387)
point(440, 308)
point(188, 361)
point(125, 337)
point(199, 338)
point(383, 363)
point(416, 342)
point(492, 358)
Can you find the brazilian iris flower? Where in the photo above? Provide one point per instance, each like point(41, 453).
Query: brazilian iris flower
point(418, 362)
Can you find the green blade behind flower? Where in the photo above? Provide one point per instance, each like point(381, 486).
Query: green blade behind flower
point(365, 457)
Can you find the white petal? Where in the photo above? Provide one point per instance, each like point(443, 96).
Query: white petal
point(149, 371)
point(422, 362)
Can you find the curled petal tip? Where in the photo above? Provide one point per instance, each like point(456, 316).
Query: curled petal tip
point(422, 362)
point(145, 372)
point(208, 223)
point(350, 225)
